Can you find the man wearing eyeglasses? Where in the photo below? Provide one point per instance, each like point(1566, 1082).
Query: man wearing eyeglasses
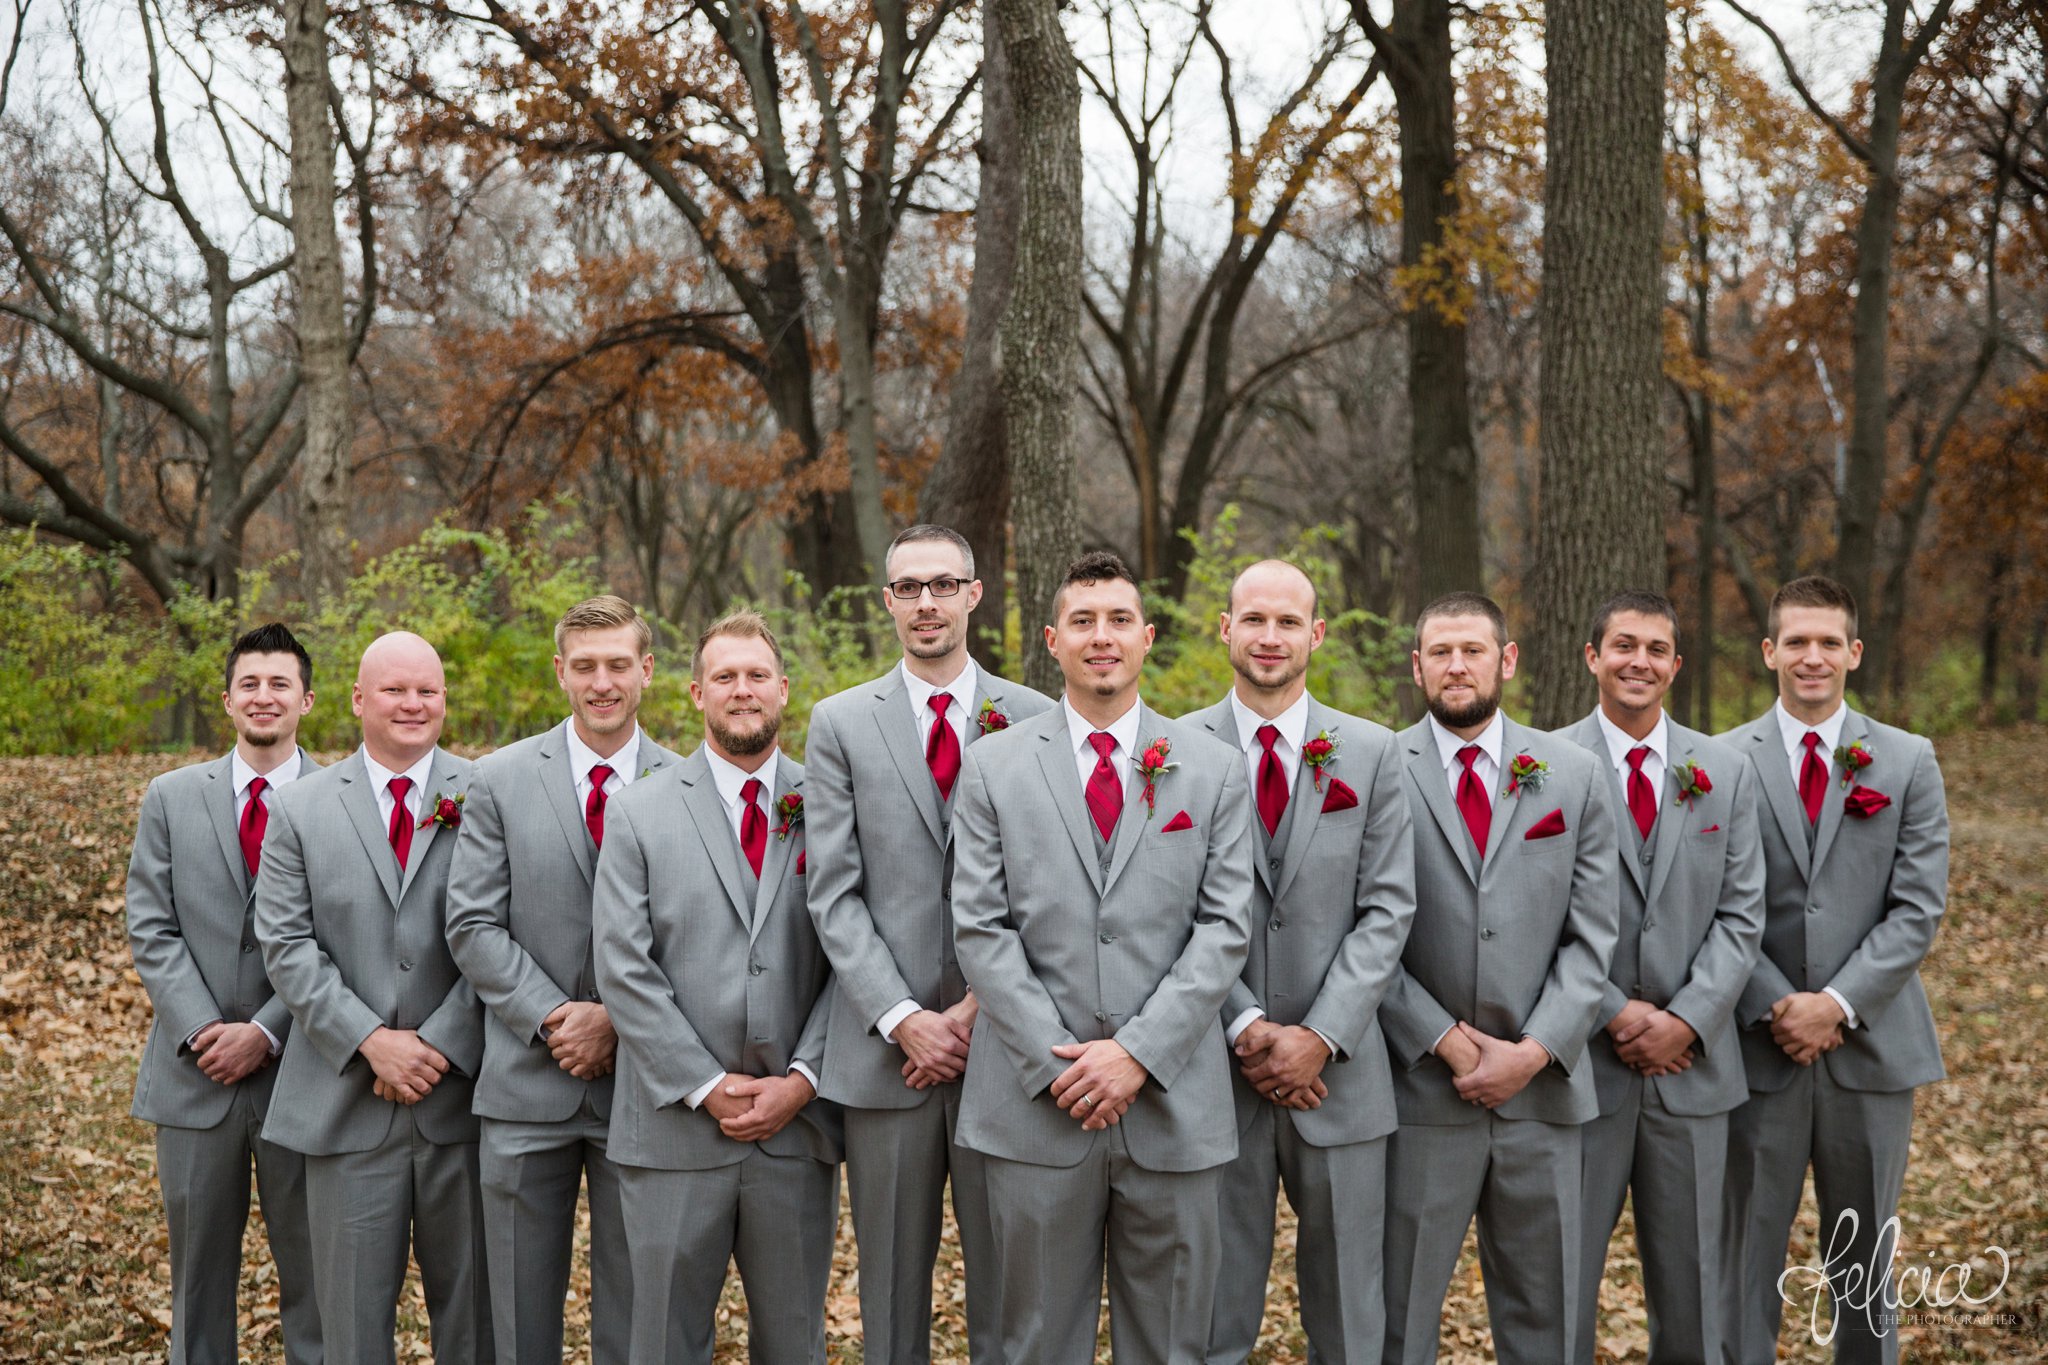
point(883, 759)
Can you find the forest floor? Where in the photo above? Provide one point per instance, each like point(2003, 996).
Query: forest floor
point(83, 1268)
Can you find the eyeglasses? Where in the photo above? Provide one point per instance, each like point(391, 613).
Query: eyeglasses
point(909, 589)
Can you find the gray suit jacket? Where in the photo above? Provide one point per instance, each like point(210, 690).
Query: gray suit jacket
point(519, 920)
point(352, 945)
point(697, 979)
point(1060, 952)
point(1692, 917)
point(1330, 914)
point(190, 925)
point(1515, 944)
point(1857, 912)
point(881, 846)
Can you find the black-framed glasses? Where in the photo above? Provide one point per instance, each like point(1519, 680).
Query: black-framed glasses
point(909, 589)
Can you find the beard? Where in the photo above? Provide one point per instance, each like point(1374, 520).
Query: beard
point(1478, 711)
point(938, 647)
point(745, 744)
point(1270, 680)
point(257, 739)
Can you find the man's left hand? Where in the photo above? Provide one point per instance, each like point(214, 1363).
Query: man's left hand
point(1504, 1068)
point(581, 1037)
point(1653, 1042)
point(777, 1099)
point(232, 1052)
point(1100, 1084)
point(1806, 1024)
point(1292, 1060)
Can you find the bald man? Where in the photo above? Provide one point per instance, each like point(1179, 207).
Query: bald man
point(386, 1037)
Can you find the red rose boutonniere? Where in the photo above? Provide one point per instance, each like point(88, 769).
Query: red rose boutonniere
point(445, 810)
point(1320, 752)
point(1152, 766)
point(1692, 781)
point(989, 718)
point(1526, 771)
point(791, 809)
point(1853, 759)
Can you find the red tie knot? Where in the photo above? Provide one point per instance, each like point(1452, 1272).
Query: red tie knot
point(1812, 741)
point(400, 788)
point(751, 792)
point(1469, 755)
point(257, 786)
point(600, 773)
point(939, 701)
point(1269, 735)
point(1105, 744)
point(1636, 756)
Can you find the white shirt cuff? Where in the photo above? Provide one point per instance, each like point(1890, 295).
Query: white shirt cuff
point(1326, 1039)
point(1848, 1010)
point(886, 1025)
point(799, 1069)
point(271, 1038)
point(703, 1092)
point(1241, 1023)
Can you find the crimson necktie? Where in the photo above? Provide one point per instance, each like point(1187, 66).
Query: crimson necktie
point(1642, 802)
point(593, 809)
point(753, 825)
point(1272, 792)
point(1105, 791)
point(1472, 802)
point(942, 747)
point(255, 817)
point(401, 820)
point(1813, 777)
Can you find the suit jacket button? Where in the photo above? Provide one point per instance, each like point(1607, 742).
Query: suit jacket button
point(405, 966)
point(1649, 924)
point(1813, 909)
point(1276, 925)
point(1486, 933)
point(1648, 856)
point(754, 969)
point(1107, 938)
point(1101, 1018)
point(248, 947)
point(1273, 866)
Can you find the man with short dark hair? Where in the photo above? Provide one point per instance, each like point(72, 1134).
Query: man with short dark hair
point(1833, 1021)
point(884, 761)
point(206, 1076)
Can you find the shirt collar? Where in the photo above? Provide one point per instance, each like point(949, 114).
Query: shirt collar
point(961, 690)
point(287, 771)
point(1489, 741)
point(380, 776)
point(1619, 741)
point(1291, 723)
point(1793, 730)
point(582, 758)
point(731, 779)
point(1124, 729)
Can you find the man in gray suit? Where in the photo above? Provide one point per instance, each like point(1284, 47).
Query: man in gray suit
point(1834, 1024)
point(883, 763)
point(1330, 911)
point(1517, 910)
point(375, 1085)
point(712, 972)
point(519, 927)
point(1663, 1053)
point(1101, 902)
point(205, 1079)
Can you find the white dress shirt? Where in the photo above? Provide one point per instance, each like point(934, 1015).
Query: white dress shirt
point(625, 764)
point(415, 796)
point(731, 780)
point(1793, 731)
point(1620, 744)
point(285, 772)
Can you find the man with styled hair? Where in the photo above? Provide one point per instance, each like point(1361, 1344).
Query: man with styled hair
point(1101, 902)
point(1665, 1061)
point(519, 925)
point(206, 1075)
point(1516, 914)
point(884, 761)
point(1833, 1020)
point(709, 965)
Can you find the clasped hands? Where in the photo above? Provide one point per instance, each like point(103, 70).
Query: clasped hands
point(1807, 1023)
point(756, 1108)
point(406, 1066)
point(935, 1043)
point(1487, 1070)
point(579, 1035)
point(1651, 1041)
point(1284, 1063)
point(1100, 1085)
point(229, 1053)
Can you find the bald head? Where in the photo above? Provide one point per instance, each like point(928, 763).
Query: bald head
point(1271, 628)
point(401, 694)
point(1275, 576)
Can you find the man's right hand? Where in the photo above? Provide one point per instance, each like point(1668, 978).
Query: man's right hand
point(1628, 1016)
point(934, 1047)
point(723, 1106)
point(581, 1038)
point(1459, 1052)
point(407, 1068)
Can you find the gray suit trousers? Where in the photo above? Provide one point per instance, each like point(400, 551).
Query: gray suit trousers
point(1339, 1196)
point(774, 1215)
point(368, 1209)
point(1673, 1165)
point(1856, 1141)
point(1053, 1225)
point(897, 1164)
point(530, 1174)
point(1521, 1177)
point(204, 1175)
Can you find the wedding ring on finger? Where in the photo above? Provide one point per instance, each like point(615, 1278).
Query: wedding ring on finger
point(1085, 1099)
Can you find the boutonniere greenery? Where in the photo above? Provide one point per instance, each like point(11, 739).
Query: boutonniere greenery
point(791, 809)
point(1152, 766)
point(1528, 771)
point(990, 718)
point(1319, 753)
point(444, 810)
point(1853, 759)
point(1692, 781)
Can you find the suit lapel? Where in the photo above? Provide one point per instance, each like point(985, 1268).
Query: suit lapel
point(220, 805)
point(557, 778)
point(441, 781)
point(1507, 810)
point(360, 802)
point(1136, 818)
point(775, 862)
point(1832, 805)
point(899, 734)
point(707, 812)
point(1774, 770)
point(1062, 775)
point(1426, 771)
point(1674, 822)
point(1306, 817)
point(1589, 736)
point(1221, 721)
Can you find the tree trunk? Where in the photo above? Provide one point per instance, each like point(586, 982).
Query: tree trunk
point(969, 488)
point(1040, 333)
point(1705, 493)
point(1600, 523)
point(323, 324)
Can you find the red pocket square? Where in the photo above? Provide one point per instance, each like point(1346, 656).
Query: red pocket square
point(1178, 823)
point(1339, 797)
point(799, 863)
point(1865, 802)
point(1550, 826)
point(1711, 829)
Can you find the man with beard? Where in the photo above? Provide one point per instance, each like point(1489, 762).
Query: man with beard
point(708, 963)
point(519, 926)
point(1330, 911)
point(1516, 916)
point(884, 761)
point(206, 1078)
